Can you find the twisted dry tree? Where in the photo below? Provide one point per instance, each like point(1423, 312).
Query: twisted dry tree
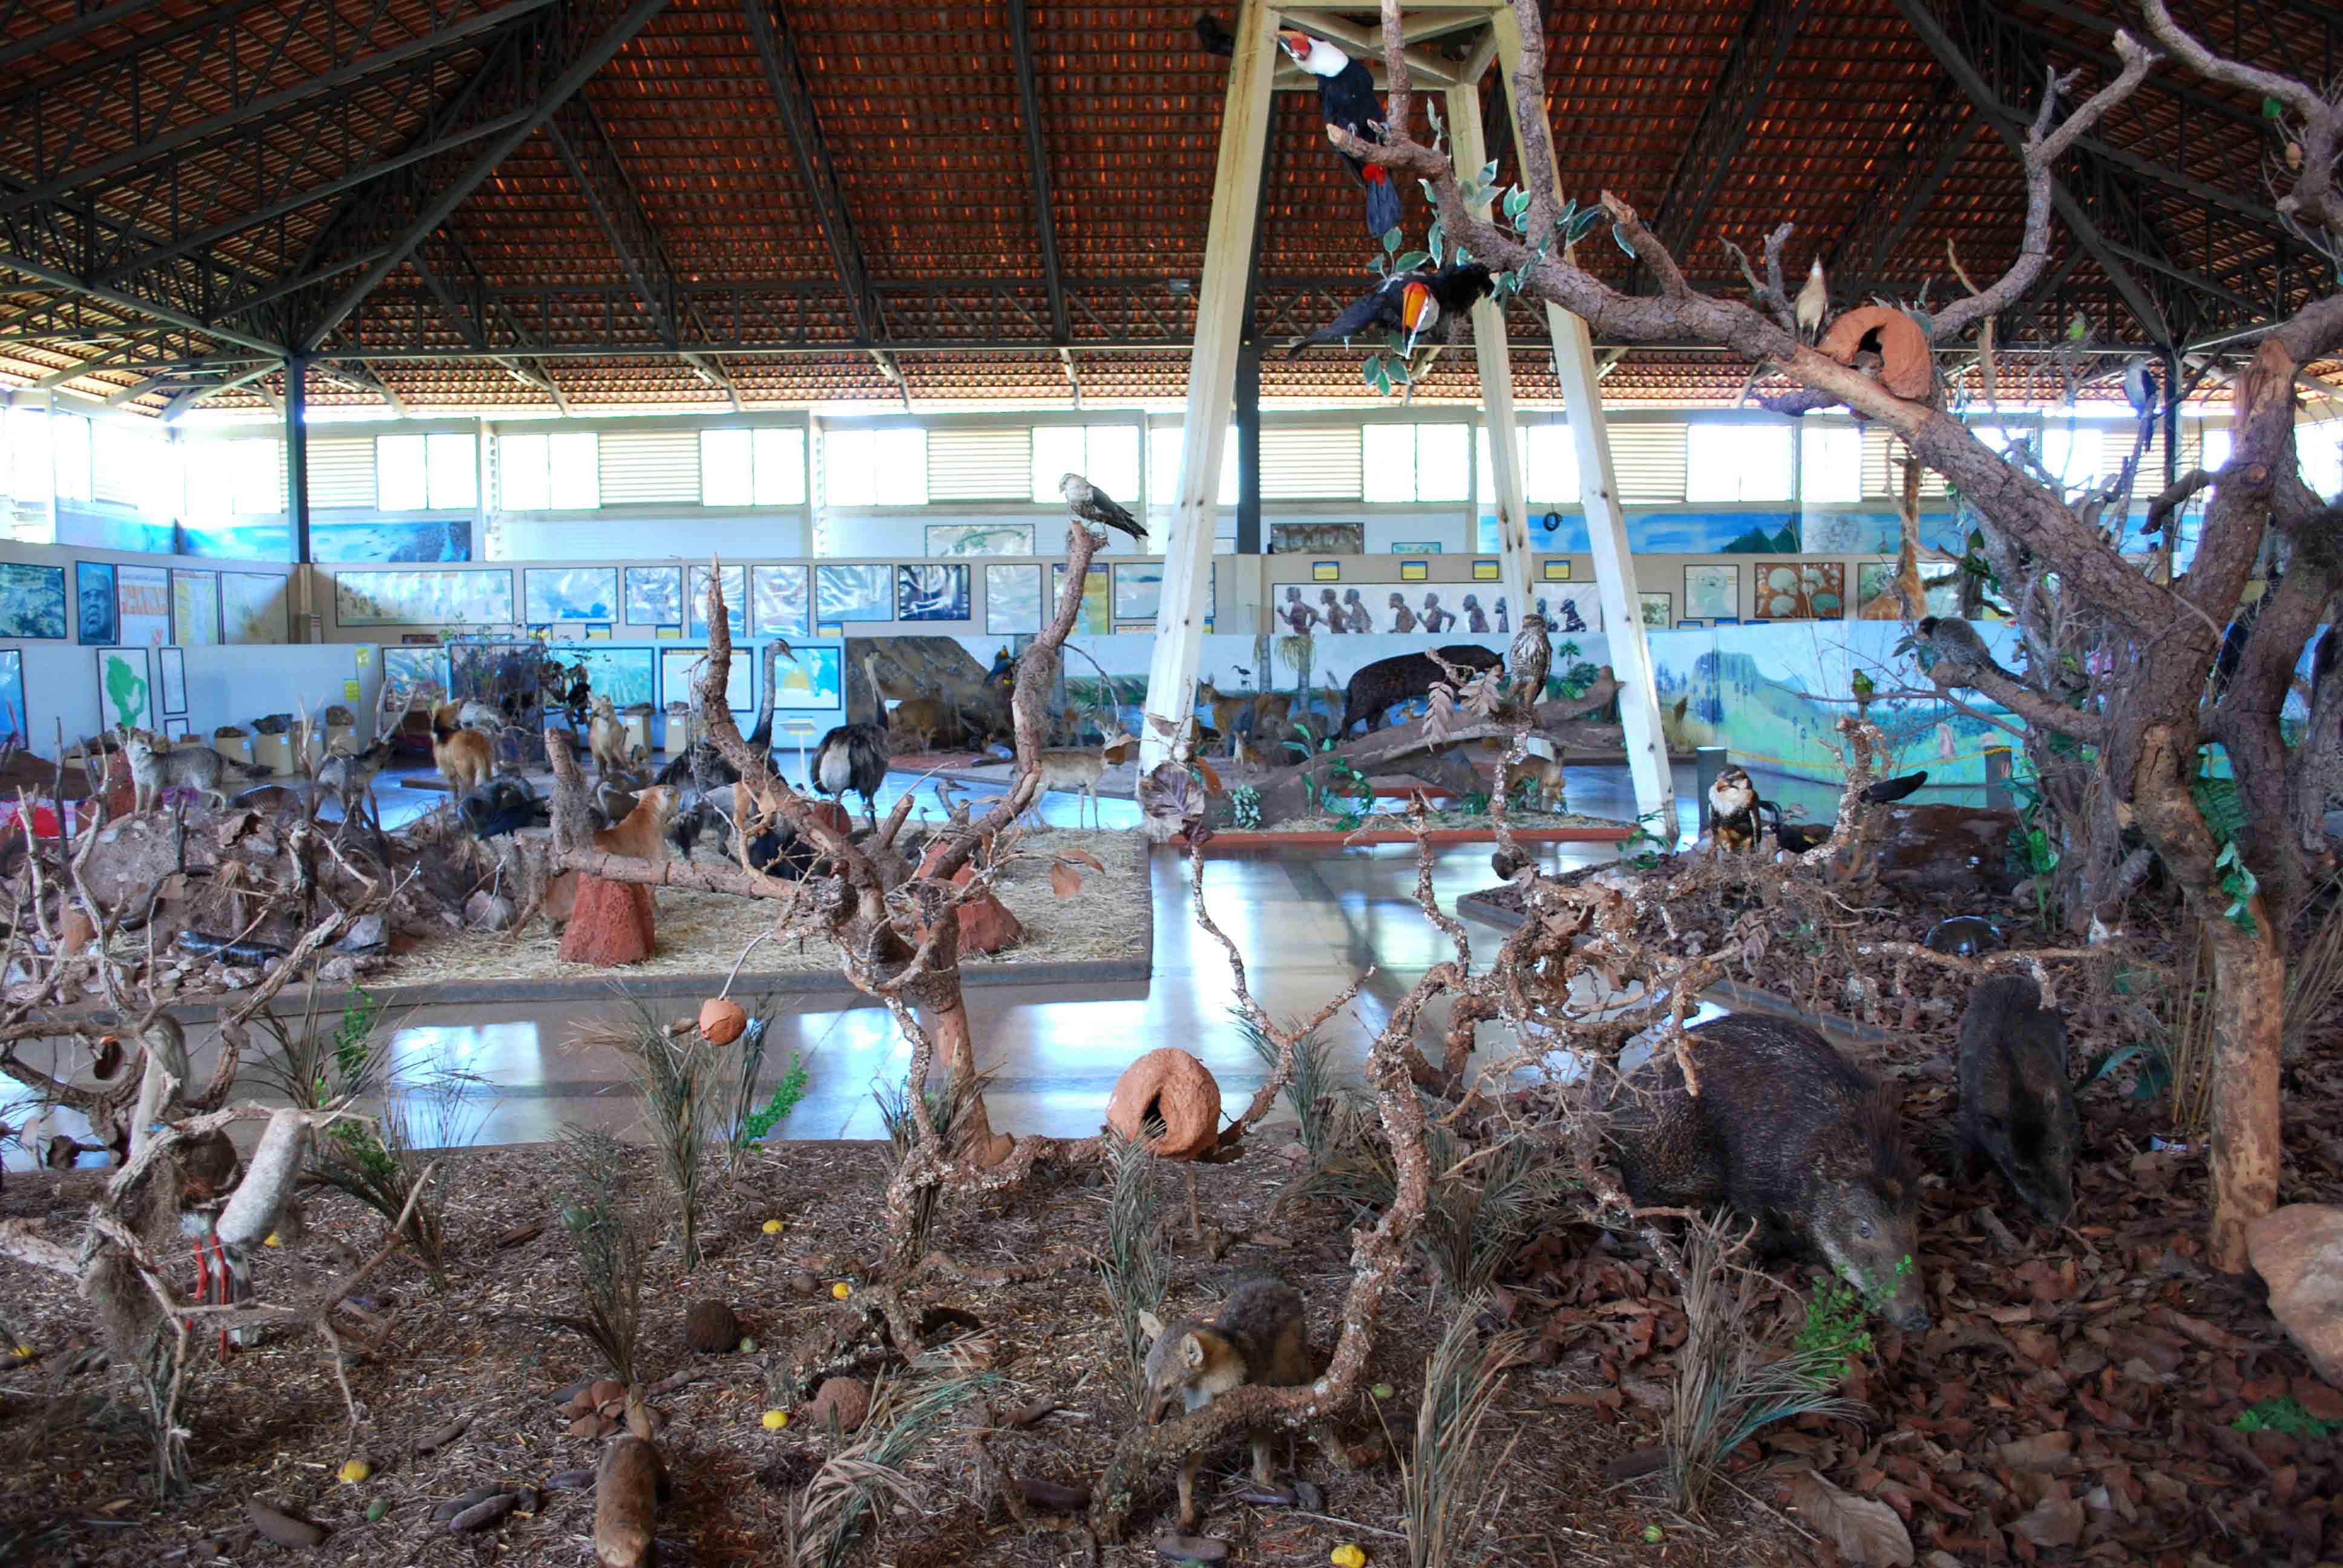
point(2145, 724)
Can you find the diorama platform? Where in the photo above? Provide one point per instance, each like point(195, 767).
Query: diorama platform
point(1104, 934)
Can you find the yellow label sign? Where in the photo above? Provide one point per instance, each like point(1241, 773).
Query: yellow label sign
point(1557, 571)
point(1326, 571)
point(350, 691)
point(1485, 571)
point(365, 656)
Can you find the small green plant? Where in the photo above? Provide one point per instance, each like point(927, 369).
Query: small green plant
point(2285, 1414)
point(1245, 808)
point(1834, 1337)
point(1475, 804)
point(610, 1249)
point(1308, 1092)
point(1445, 1480)
point(1643, 843)
point(948, 1107)
point(786, 1095)
point(1132, 1271)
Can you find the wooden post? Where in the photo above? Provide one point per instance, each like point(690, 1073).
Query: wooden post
point(1211, 383)
point(1494, 354)
point(1606, 526)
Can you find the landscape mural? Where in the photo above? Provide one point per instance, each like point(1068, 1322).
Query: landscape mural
point(252, 606)
point(780, 598)
point(32, 601)
point(655, 596)
point(423, 598)
point(736, 600)
point(627, 676)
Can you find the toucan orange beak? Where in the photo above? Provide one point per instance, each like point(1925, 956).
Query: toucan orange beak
point(1416, 307)
point(1294, 44)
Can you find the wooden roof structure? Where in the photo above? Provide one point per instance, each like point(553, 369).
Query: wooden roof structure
point(630, 203)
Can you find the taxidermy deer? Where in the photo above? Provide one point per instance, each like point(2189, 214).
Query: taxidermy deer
point(608, 737)
point(1077, 769)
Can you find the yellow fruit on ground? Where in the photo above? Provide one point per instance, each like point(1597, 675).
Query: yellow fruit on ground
point(1347, 1557)
point(354, 1471)
point(842, 1290)
point(772, 1227)
point(776, 1419)
point(270, 1240)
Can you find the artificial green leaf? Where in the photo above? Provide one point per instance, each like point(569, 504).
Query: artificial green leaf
point(1489, 171)
point(1518, 200)
point(1412, 260)
point(1367, 372)
point(1463, 255)
point(2272, 109)
point(1390, 239)
point(1569, 211)
point(1585, 223)
point(1433, 238)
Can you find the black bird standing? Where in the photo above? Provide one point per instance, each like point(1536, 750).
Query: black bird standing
point(1410, 302)
point(1346, 96)
point(1896, 789)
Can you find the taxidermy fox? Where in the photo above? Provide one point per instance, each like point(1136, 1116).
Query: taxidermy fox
point(196, 767)
point(464, 758)
point(1258, 1339)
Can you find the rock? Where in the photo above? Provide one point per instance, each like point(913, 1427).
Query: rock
point(611, 925)
point(1175, 1087)
point(570, 1481)
point(484, 912)
point(481, 1516)
point(711, 1327)
point(805, 1284)
point(722, 1020)
point(342, 969)
point(282, 1527)
point(366, 933)
point(986, 924)
point(1964, 936)
point(456, 1505)
point(2298, 1251)
point(1191, 1548)
point(844, 1401)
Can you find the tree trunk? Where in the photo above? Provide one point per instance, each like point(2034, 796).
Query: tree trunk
point(2249, 1035)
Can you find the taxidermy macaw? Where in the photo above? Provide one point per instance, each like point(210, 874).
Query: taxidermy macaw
point(1346, 96)
point(1408, 302)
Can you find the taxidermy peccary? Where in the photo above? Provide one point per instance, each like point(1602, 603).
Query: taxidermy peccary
point(1791, 1135)
point(503, 805)
point(2017, 1107)
point(1375, 689)
point(699, 765)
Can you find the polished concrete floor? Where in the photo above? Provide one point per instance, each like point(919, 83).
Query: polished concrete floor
point(1306, 922)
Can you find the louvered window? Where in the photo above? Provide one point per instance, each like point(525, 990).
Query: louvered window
point(549, 473)
point(886, 467)
point(244, 479)
point(649, 466)
point(1311, 463)
point(1648, 457)
point(1884, 455)
point(134, 465)
point(1105, 455)
point(70, 437)
point(1414, 462)
point(1736, 462)
point(341, 472)
point(1549, 465)
point(761, 467)
point(426, 473)
point(28, 455)
point(1830, 463)
point(1165, 444)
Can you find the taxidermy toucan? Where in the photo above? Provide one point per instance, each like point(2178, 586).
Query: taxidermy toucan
point(1408, 302)
point(1346, 96)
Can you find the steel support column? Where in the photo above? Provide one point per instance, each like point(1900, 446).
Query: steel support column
point(1494, 356)
point(785, 77)
point(1037, 155)
point(296, 455)
point(1248, 414)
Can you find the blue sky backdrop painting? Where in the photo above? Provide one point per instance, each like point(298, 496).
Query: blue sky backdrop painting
point(571, 593)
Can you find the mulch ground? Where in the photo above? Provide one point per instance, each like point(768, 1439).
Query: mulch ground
point(2091, 1395)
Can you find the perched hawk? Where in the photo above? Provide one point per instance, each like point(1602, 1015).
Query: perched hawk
point(1527, 663)
point(1095, 506)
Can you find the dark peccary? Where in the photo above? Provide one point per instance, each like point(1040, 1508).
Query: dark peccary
point(2017, 1107)
point(1790, 1134)
point(1375, 689)
point(504, 806)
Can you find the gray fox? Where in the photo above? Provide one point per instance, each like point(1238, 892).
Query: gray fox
point(1258, 1339)
point(185, 766)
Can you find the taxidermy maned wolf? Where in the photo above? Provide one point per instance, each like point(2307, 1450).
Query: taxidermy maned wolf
point(184, 766)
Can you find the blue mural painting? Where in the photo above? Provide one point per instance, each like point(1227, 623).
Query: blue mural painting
point(32, 601)
point(391, 539)
point(571, 593)
point(1875, 533)
point(238, 539)
point(1785, 689)
point(627, 676)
